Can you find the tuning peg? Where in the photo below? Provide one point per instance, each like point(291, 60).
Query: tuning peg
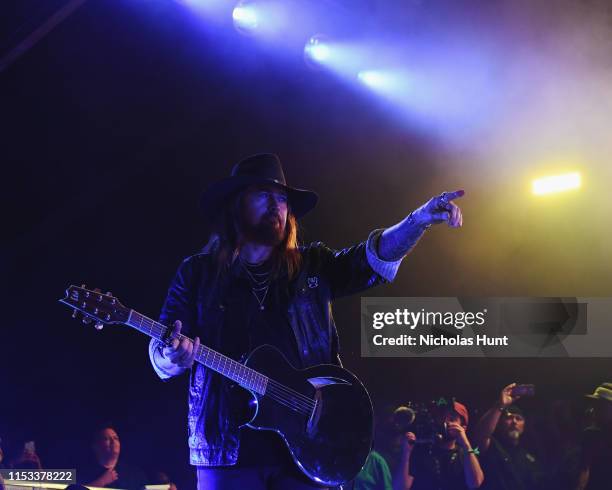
point(86, 320)
point(75, 313)
point(108, 293)
point(99, 325)
point(83, 286)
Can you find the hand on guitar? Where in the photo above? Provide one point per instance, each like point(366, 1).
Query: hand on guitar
point(181, 353)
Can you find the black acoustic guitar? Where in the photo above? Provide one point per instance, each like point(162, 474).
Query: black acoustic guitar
point(323, 413)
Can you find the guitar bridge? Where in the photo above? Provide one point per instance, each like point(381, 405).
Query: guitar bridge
point(314, 415)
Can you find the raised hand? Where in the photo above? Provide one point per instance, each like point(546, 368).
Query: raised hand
point(441, 209)
point(505, 397)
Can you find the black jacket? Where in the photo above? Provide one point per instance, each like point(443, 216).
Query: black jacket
point(197, 298)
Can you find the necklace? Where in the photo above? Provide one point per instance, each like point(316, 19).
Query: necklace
point(263, 298)
point(260, 282)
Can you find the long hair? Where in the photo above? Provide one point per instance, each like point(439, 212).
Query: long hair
point(226, 236)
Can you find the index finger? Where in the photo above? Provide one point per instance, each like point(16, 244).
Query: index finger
point(174, 335)
point(449, 196)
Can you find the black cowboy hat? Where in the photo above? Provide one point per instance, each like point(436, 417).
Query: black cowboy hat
point(262, 168)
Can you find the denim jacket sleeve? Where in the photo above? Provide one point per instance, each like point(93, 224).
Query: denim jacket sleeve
point(179, 305)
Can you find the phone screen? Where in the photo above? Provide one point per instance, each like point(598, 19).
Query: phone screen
point(523, 390)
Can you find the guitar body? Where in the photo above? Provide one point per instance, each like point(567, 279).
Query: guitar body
point(331, 442)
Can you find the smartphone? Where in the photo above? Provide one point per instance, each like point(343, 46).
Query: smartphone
point(29, 447)
point(523, 390)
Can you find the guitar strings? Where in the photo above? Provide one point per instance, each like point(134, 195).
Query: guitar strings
point(277, 391)
point(294, 395)
point(299, 405)
point(288, 403)
point(280, 392)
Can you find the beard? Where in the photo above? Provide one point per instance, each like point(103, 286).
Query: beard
point(513, 435)
point(269, 230)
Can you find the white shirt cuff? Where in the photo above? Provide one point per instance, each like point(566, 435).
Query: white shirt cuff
point(154, 351)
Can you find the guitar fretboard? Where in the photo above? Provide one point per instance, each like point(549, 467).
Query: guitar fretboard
point(228, 367)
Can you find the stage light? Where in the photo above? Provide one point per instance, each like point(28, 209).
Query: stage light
point(393, 84)
point(245, 18)
point(317, 51)
point(194, 3)
point(207, 8)
point(374, 79)
point(556, 183)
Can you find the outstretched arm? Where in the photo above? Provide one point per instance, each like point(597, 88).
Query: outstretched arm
point(488, 422)
point(396, 241)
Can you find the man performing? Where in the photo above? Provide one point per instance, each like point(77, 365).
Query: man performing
point(254, 285)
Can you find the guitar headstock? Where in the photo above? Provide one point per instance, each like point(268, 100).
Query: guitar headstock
point(95, 306)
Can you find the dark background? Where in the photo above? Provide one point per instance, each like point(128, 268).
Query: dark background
point(114, 123)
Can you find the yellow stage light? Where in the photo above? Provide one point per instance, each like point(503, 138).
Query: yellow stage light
point(556, 183)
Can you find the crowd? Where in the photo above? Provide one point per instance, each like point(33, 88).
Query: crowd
point(436, 446)
point(433, 446)
point(104, 466)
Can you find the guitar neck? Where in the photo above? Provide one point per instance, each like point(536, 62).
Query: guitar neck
point(226, 366)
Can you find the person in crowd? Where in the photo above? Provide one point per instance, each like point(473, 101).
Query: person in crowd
point(375, 475)
point(27, 458)
point(587, 467)
point(448, 462)
point(107, 469)
point(507, 464)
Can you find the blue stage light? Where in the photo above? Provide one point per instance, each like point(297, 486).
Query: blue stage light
point(245, 18)
point(375, 79)
point(394, 85)
point(205, 6)
point(317, 49)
